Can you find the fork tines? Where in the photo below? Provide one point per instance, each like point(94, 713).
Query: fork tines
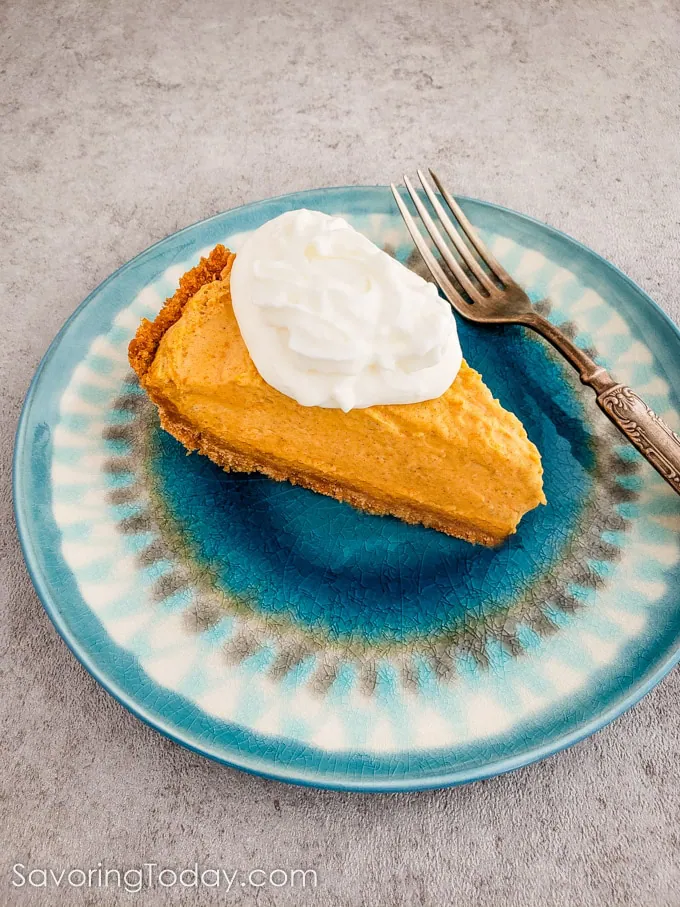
point(477, 272)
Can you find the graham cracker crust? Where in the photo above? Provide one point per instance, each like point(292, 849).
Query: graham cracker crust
point(142, 348)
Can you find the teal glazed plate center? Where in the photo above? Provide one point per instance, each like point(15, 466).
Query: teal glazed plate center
point(291, 635)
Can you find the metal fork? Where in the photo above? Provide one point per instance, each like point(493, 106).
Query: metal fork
point(481, 290)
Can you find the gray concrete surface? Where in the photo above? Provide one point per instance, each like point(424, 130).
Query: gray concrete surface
point(123, 121)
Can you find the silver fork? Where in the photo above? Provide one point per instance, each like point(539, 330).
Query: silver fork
point(481, 290)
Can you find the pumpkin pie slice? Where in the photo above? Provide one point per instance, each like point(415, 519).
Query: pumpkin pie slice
point(460, 463)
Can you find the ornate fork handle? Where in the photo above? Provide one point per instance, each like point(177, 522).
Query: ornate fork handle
point(655, 440)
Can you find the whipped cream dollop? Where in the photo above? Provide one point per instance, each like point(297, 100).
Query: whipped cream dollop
point(331, 320)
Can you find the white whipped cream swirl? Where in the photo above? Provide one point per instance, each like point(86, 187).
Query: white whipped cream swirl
point(331, 320)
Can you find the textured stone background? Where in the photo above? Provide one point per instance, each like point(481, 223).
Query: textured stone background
point(123, 121)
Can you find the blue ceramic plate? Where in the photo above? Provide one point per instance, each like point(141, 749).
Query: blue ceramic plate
point(280, 631)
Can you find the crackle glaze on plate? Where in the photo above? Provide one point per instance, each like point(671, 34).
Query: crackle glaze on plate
point(291, 635)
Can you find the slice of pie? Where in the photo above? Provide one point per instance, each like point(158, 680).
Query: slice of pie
point(460, 463)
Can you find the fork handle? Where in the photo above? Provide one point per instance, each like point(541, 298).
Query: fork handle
point(646, 431)
point(656, 441)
